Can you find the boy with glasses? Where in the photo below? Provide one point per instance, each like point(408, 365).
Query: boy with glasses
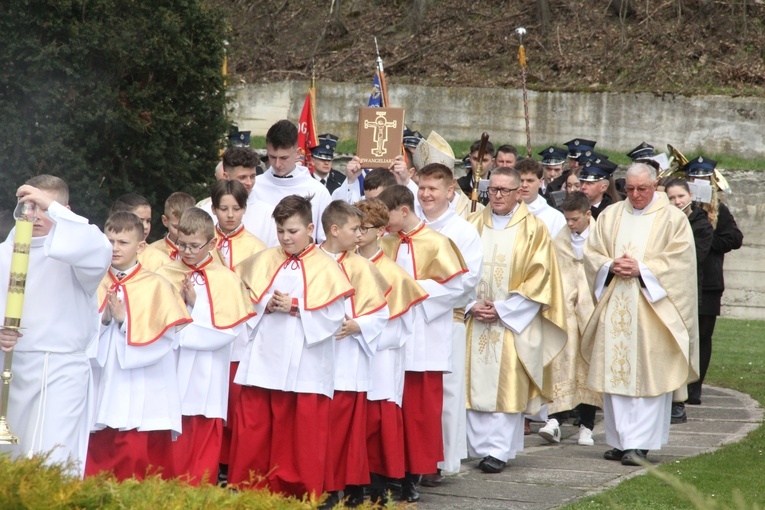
point(219, 305)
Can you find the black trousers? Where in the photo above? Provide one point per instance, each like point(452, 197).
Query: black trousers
point(706, 330)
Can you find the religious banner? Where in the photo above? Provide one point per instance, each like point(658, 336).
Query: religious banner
point(379, 135)
point(307, 138)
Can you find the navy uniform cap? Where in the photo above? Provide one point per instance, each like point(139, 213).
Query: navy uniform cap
point(578, 146)
point(467, 163)
point(644, 150)
point(700, 167)
point(326, 148)
point(553, 156)
point(411, 138)
point(597, 170)
point(586, 156)
point(239, 138)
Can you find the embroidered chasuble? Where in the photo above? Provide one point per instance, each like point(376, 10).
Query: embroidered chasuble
point(636, 347)
point(233, 248)
point(230, 302)
point(157, 303)
point(569, 368)
point(324, 280)
point(511, 373)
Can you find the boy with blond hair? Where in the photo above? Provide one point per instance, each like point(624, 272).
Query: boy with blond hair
point(367, 313)
point(137, 406)
point(175, 204)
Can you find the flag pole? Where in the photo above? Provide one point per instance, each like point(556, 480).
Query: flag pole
point(520, 32)
point(381, 73)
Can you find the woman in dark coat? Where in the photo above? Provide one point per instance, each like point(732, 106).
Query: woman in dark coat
point(679, 195)
point(727, 237)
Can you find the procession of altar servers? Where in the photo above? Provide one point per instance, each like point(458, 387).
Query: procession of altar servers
point(458, 324)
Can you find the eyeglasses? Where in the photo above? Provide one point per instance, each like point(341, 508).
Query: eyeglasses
point(364, 229)
point(639, 189)
point(503, 192)
point(193, 248)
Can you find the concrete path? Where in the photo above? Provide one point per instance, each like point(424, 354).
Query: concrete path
point(547, 476)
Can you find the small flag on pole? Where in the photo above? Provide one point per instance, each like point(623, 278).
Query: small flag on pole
point(375, 98)
point(307, 138)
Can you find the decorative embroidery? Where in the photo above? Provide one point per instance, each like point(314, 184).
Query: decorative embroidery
point(621, 318)
point(621, 368)
point(487, 345)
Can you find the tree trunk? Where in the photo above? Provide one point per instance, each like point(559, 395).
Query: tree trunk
point(544, 13)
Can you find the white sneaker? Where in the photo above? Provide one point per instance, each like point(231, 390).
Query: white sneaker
point(551, 431)
point(585, 436)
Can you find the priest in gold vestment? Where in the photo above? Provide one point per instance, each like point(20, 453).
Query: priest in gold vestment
point(516, 326)
point(642, 340)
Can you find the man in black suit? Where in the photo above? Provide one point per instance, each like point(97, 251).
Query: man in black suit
point(323, 154)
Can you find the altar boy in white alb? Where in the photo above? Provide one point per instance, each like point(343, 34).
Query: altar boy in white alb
point(285, 177)
point(48, 404)
point(281, 424)
point(137, 403)
point(435, 262)
point(219, 305)
point(436, 183)
point(355, 345)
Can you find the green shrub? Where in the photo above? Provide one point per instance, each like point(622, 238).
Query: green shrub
point(114, 96)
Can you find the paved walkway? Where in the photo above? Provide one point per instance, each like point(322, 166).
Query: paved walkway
point(547, 476)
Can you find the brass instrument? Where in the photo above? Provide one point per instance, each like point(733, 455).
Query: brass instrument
point(677, 162)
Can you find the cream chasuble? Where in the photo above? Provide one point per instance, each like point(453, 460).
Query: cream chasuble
point(639, 342)
point(508, 372)
point(569, 367)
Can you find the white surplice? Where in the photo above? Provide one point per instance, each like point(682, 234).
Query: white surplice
point(292, 353)
point(49, 402)
point(551, 217)
point(137, 384)
point(270, 190)
point(204, 361)
point(431, 349)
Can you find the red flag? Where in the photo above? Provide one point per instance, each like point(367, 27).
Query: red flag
point(307, 139)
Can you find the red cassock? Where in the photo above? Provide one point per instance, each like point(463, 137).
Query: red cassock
point(422, 406)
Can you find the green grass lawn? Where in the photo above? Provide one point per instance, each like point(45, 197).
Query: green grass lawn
point(731, 477)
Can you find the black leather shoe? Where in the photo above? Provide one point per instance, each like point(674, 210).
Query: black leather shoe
point(409, 491)
point(678, 413)
point(378, 491)
point(490, 464)
point(354, 496)
point(331, 502)
point(433, 480)
point(635, 457)
point(614, 454)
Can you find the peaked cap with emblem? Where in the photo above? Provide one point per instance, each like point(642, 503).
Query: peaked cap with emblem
point(326, 148)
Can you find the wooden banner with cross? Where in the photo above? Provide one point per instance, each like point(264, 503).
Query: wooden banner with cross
point(379, 136)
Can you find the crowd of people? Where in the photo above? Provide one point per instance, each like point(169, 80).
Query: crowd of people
point(360, 334)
